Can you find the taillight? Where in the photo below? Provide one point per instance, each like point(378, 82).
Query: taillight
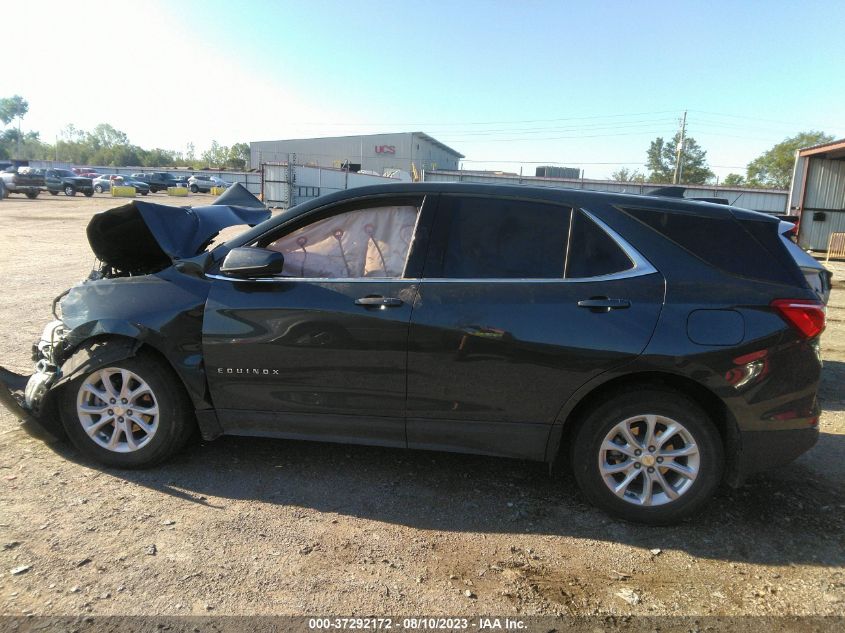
point(805, 316)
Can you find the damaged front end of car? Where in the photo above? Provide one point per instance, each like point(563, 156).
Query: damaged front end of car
point(27, 396)
point(148, 288)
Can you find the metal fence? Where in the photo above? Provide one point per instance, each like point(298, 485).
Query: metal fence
point(287, 184)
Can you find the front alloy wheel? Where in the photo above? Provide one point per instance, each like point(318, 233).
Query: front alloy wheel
point(118, 410)
point(132, 413)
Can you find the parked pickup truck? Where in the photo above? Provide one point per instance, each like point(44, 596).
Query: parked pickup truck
point(57, 180)
point(22, 180)
point(160, 180)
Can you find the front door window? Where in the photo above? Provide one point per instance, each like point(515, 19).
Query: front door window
point(372, 243)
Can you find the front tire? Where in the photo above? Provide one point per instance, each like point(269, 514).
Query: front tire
point(132, 413)
point(649, 456)
point(88, 194)
point(32, 195)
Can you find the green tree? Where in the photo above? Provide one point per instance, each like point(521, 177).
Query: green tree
point(734, 180)
point(662, 155)
point(774, 167)
point(216, 155)
point(105, 136)
point(627, 175)
point(13, 108)
point(30, 146)
point(238, 156)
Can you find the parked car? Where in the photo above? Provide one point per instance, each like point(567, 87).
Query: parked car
point(657, 346)
point(160, 181)
point(104, 183)
point(58, 180)
point(204, 182)
point(84, 171)
point(23, 180)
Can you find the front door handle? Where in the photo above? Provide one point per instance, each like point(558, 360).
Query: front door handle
point(379, 302)
point(604, 304)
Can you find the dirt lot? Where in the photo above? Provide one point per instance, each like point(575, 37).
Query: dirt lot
point(241, 526)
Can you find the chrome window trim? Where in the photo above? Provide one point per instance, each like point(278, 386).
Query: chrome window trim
point(641, 266)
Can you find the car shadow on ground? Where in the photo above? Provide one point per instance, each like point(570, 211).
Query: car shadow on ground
point(789, 516)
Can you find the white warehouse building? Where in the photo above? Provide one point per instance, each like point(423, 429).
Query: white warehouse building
point(378, 153)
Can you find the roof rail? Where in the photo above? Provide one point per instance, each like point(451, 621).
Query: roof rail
point(676, 191)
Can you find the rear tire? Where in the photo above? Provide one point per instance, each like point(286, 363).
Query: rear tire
point(99, 188)
point(151, 425)
point(194, 189)
point(88, 194)
point(658, 485)
point(32, 195)
point(70, 191)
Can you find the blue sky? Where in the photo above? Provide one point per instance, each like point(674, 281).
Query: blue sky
point(586, 84)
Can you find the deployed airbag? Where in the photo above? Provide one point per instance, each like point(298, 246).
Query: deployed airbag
point(366, 243)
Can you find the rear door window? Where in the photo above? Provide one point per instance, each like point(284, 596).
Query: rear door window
point(490, 238)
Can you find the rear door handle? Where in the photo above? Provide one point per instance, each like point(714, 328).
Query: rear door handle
point(604, 304)
point(379, 302)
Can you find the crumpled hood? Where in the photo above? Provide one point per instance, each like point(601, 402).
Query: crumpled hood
point(143, 237)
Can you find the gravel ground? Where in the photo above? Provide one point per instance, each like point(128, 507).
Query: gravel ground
point(258, 526)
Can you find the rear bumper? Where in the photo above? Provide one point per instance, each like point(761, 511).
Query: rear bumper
point(762, 450)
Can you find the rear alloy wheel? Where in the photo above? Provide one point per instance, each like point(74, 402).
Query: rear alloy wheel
point(194, 189)
point(70, 191)
point(651, 456)
point(130, 414)
point(98, 188)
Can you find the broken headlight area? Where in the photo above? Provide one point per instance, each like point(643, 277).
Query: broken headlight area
point(46, 355)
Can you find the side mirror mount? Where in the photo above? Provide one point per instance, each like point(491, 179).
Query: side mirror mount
point(252, 263)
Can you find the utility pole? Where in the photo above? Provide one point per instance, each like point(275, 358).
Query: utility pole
point(679, 166)
point(19, 127)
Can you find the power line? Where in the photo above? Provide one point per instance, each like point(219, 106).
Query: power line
point(756, 118)
point(577, 118)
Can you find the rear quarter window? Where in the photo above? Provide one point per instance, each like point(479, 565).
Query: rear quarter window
point(721, 242)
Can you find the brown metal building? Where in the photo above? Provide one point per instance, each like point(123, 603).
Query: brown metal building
point(817, 194)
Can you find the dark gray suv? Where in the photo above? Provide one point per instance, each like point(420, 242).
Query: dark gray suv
point(655, 346)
